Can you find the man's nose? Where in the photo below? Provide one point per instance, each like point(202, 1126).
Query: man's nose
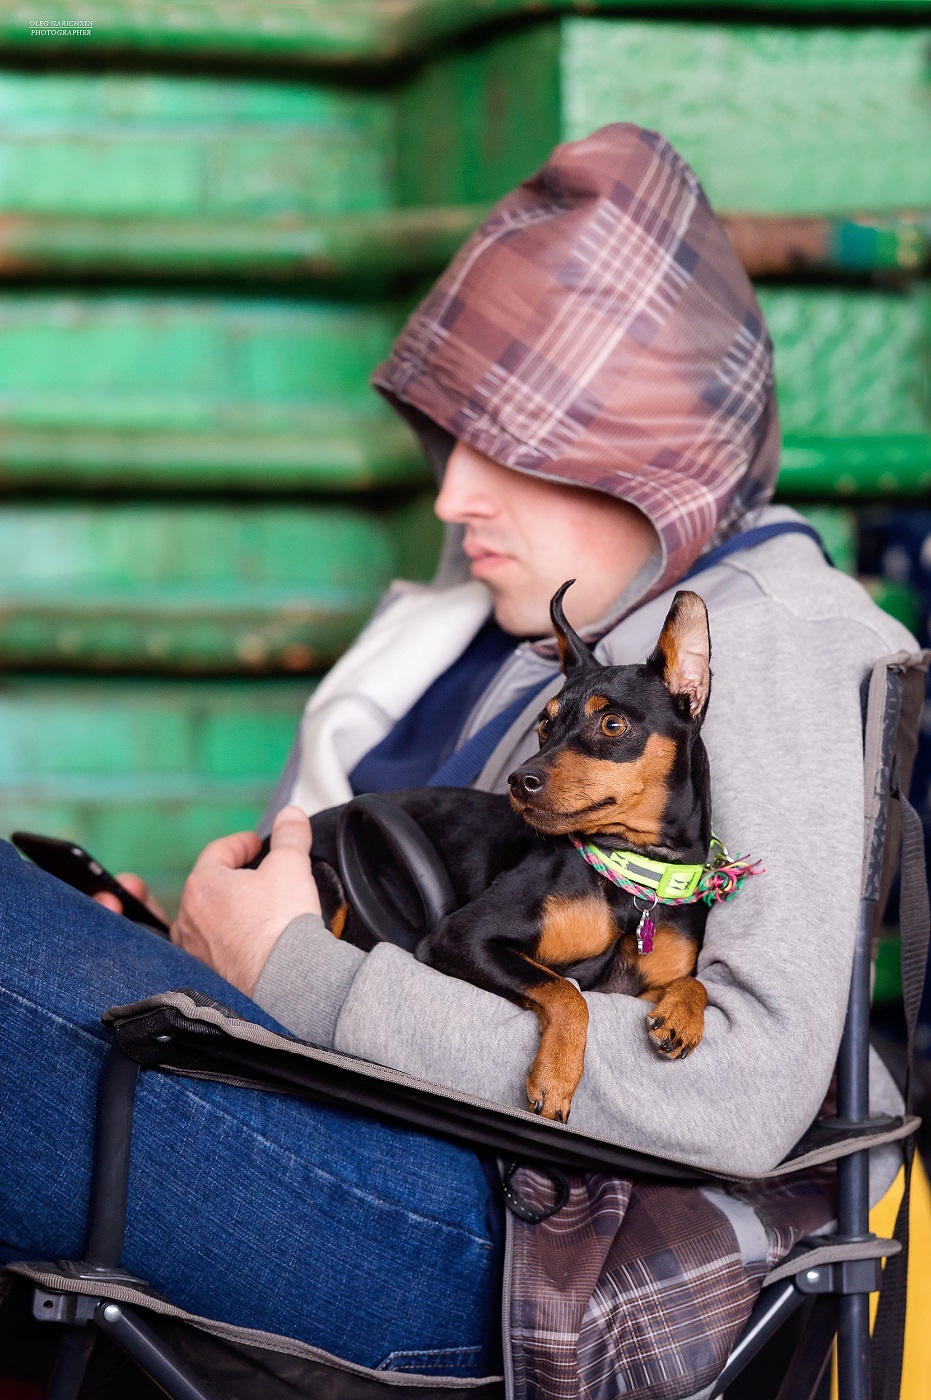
point(526, 781)
point(465, 493)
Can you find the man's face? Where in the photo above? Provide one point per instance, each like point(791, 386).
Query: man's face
point(525, 537)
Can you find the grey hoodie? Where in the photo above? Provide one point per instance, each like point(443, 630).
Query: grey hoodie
point(792, 641)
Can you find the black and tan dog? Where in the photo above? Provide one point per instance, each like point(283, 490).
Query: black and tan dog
point(621, 762)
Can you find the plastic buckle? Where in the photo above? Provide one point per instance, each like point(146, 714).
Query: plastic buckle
point(843, 1276)
point(73, 1308)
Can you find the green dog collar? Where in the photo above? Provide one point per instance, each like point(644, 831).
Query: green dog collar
point(668, 882)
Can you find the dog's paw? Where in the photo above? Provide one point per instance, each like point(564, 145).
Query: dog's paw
point(677, 1021)
point(547, 1097)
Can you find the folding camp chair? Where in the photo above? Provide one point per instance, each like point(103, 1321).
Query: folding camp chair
point(185, 1033)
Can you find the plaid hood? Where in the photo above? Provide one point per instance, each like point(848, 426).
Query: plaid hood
point(598, 330)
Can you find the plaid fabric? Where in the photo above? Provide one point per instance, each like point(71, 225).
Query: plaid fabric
point(599, 330)
point(641, 1289)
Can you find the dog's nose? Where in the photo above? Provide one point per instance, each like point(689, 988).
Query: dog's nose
point(526, 782)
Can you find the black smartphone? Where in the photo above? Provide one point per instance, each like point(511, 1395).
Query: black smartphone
point(71, 863)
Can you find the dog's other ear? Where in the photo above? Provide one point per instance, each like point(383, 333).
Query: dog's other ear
point(683, 652)
point(573, 653)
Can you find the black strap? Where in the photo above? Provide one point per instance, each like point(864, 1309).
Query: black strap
point(521, 1207)
point(915, 926)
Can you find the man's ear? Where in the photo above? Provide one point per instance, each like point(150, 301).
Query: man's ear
point(573, 653)
point(683, 652)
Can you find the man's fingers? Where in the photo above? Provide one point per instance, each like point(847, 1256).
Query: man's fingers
point(135, 884)
point(230, 851)
point(291, 831)
point(109, 901)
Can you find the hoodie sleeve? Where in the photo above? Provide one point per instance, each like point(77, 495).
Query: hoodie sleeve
point(784, 738)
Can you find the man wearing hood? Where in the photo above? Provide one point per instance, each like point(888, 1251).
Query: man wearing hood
point(591, 380)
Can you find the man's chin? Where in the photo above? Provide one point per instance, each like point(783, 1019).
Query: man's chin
point(518, 617)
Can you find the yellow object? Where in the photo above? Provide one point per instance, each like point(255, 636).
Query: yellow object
point(916, 1369)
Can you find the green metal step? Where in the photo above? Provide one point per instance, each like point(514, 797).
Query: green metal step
point(208, 589)
point(270, 396)
point(365, 249)
point(370, 251)
point(129, 175)
point(851, 373)
point(772, 119)
point(338, 32)
point(197, 588)
point(143, 774)
point(154, 145)
point(187, 393)
point(775, 119)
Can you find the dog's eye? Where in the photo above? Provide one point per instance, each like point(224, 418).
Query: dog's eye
point(612, 726)
point(543, 728)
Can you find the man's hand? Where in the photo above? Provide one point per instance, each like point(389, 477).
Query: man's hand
point(232, 918)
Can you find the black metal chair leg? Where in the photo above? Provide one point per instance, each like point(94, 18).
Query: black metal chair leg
point(84, 1313)
point(853, 1347)
point(144, 1347)
point(813, 1352)
point(853, 1172)
point(773, 1308)
point(107, 1214)
point(110, 1180)
point(71, 1364)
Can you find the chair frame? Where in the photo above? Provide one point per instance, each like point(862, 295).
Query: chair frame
point(841, 1289)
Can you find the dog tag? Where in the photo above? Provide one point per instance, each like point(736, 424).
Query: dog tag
point(645, 931)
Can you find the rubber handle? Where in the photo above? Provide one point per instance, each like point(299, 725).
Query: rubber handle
point(416, 857)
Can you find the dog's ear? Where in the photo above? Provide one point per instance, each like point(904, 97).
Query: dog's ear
point(683, 652)
point(573, 653)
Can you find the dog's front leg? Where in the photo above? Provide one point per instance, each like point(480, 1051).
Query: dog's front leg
point(494, 949)
point(554, 1075)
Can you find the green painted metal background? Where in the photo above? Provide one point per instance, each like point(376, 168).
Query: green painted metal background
point(821, 120)
point(296, 177)
point(203, 588)
point(215, 255)
point(188, 392)
point(339, 32)
point(814, 120)
point(143, 773)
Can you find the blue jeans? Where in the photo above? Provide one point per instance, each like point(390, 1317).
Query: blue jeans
point(376, 1243)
